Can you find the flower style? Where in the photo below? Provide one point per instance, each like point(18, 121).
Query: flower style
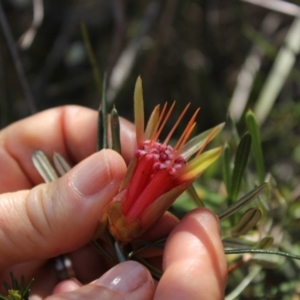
point(158, 173)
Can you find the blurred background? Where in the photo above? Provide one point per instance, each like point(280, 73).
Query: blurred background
point(191, 51)
point(215, 54)
point(224, 56)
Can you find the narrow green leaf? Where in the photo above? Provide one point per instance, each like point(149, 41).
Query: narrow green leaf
point(43, 166)
point(91, 56)
point(262, 251)
point(104, 114)
point(226, 168)
point(256, 145)
point(101, 87)
point(242, 202)
point(115, 131)
point(101, 250)
point(100, 130)
point(119, 252)
point(248, 220)
point(240, 163)
point(22, 284)
point(27, 290)
point(264, 263)
point(14, 281)
point(6, 285)
point(158, 244)
point(194, 195)
point(61, 164)
point(243, 284)
point(265, 243)
point(155, 272)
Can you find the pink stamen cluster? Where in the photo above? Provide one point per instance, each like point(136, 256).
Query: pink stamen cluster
point(162, 156)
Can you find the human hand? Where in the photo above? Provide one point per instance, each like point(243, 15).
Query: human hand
point(194, 268)
point(51, 219)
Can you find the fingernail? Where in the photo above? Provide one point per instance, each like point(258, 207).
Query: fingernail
point(91, 175)
point(124, 277)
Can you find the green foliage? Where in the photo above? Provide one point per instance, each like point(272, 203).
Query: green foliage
point(256, 145)
point(240, 163)
point(254, 57)
point(17, 290)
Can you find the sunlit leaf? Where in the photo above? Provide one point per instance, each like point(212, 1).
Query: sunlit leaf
point(226, 167)
point(256, 145)
point(265, 243)
point(240, 163)
point(248, 220)
point(242, 202)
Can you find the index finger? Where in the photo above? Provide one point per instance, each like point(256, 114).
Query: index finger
point(68, 130)
point(194, 260)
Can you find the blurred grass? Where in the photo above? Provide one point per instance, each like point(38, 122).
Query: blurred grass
point(225, 56)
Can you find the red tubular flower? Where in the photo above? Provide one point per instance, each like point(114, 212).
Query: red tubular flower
point(158, 173)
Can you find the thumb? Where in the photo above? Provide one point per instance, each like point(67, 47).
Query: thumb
point(126, 281)
point(60, 216)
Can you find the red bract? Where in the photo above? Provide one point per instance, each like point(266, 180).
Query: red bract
point(158, 173)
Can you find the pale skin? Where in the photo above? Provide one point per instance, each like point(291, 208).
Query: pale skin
point(40, 221)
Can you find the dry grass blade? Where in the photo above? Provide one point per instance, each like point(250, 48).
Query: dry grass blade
point(279, 6)
point(250, 69)
point(27, 38)
point(282, 67)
